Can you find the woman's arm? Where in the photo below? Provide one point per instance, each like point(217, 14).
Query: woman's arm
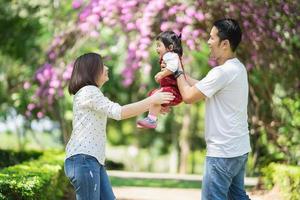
point(137, 108)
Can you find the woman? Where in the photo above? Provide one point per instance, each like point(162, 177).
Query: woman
point(84, 164)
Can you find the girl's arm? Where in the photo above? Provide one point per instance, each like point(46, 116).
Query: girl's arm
point(163, 73)
point(137, 108)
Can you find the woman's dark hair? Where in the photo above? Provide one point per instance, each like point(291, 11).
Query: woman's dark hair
point(170, 38)
point(87, 69)
point(229, 29)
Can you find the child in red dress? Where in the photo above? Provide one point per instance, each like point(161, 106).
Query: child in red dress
point(168, 46)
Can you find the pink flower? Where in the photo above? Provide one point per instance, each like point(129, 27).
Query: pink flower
point(130, 26)
point(26, 85)
point(93, 19)
point(30, 106)
point(40, 115)
point(52, 55)
point(190, 11)
point(199, 16)
point(54, 83)
point(172, 10)
point(76, 4)
point(51, 91)
point(84, 27)
point(94, 34)
point(164, 26)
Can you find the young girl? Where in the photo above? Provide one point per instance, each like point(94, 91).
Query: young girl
point(85, 151)
point(168, 46)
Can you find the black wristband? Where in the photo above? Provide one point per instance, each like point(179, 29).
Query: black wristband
point(178, 73)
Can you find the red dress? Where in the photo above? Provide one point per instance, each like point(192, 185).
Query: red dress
point(169, 84)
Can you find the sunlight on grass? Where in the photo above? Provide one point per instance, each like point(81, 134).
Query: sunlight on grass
point(134, 182)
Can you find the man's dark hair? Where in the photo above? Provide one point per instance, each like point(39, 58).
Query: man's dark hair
point(87, 69)
point(229, 29)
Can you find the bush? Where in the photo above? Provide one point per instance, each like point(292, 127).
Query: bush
point(286, 177)
point(36, 180)
point(12, 157)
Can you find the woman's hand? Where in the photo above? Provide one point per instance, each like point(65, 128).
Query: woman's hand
point(160, 97)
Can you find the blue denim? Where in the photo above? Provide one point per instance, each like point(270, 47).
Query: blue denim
point(223, 178)
point(89, 178)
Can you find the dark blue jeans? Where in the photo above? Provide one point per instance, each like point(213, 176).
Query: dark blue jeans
point(223, 178)
point(89, 178)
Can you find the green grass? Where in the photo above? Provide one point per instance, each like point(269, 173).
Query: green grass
point(159, 183)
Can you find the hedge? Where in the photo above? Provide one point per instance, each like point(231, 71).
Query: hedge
point(12, 157)
point(41, 179)
point(286, 177)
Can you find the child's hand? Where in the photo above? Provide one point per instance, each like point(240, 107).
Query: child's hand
point(163, 64)
point(158, 77)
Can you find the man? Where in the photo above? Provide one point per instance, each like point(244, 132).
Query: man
point(225, 90)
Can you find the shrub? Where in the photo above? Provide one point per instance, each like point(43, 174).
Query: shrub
point(36, 180)
point(286, 177)
point(12, 157)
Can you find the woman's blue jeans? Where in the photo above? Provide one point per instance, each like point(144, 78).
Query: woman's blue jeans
point(89, 178)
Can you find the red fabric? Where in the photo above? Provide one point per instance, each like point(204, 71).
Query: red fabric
point(169, 84)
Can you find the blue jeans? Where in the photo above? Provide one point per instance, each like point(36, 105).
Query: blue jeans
point(89, 178)
point(223, 178)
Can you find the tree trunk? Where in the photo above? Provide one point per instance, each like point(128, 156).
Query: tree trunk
point(184, 140)
point(174, 157)
point(64, 125)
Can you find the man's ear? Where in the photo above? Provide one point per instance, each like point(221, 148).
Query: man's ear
point(226, 43)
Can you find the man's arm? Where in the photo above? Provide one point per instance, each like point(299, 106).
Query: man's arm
point(190, 94)
point(191, 81)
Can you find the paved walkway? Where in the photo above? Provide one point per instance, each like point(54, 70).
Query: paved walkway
point(149, 193)
point(146, 193)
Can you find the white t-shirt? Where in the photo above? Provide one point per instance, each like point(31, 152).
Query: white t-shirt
point(172, 61)
point(90, 111)
point(226, 126)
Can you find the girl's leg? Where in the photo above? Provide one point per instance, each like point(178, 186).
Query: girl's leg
point(151, 120)
point(154, 111)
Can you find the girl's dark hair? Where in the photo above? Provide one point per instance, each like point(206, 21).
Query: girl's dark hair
point(87, 69)
point(170, 38)
point(229, 29)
